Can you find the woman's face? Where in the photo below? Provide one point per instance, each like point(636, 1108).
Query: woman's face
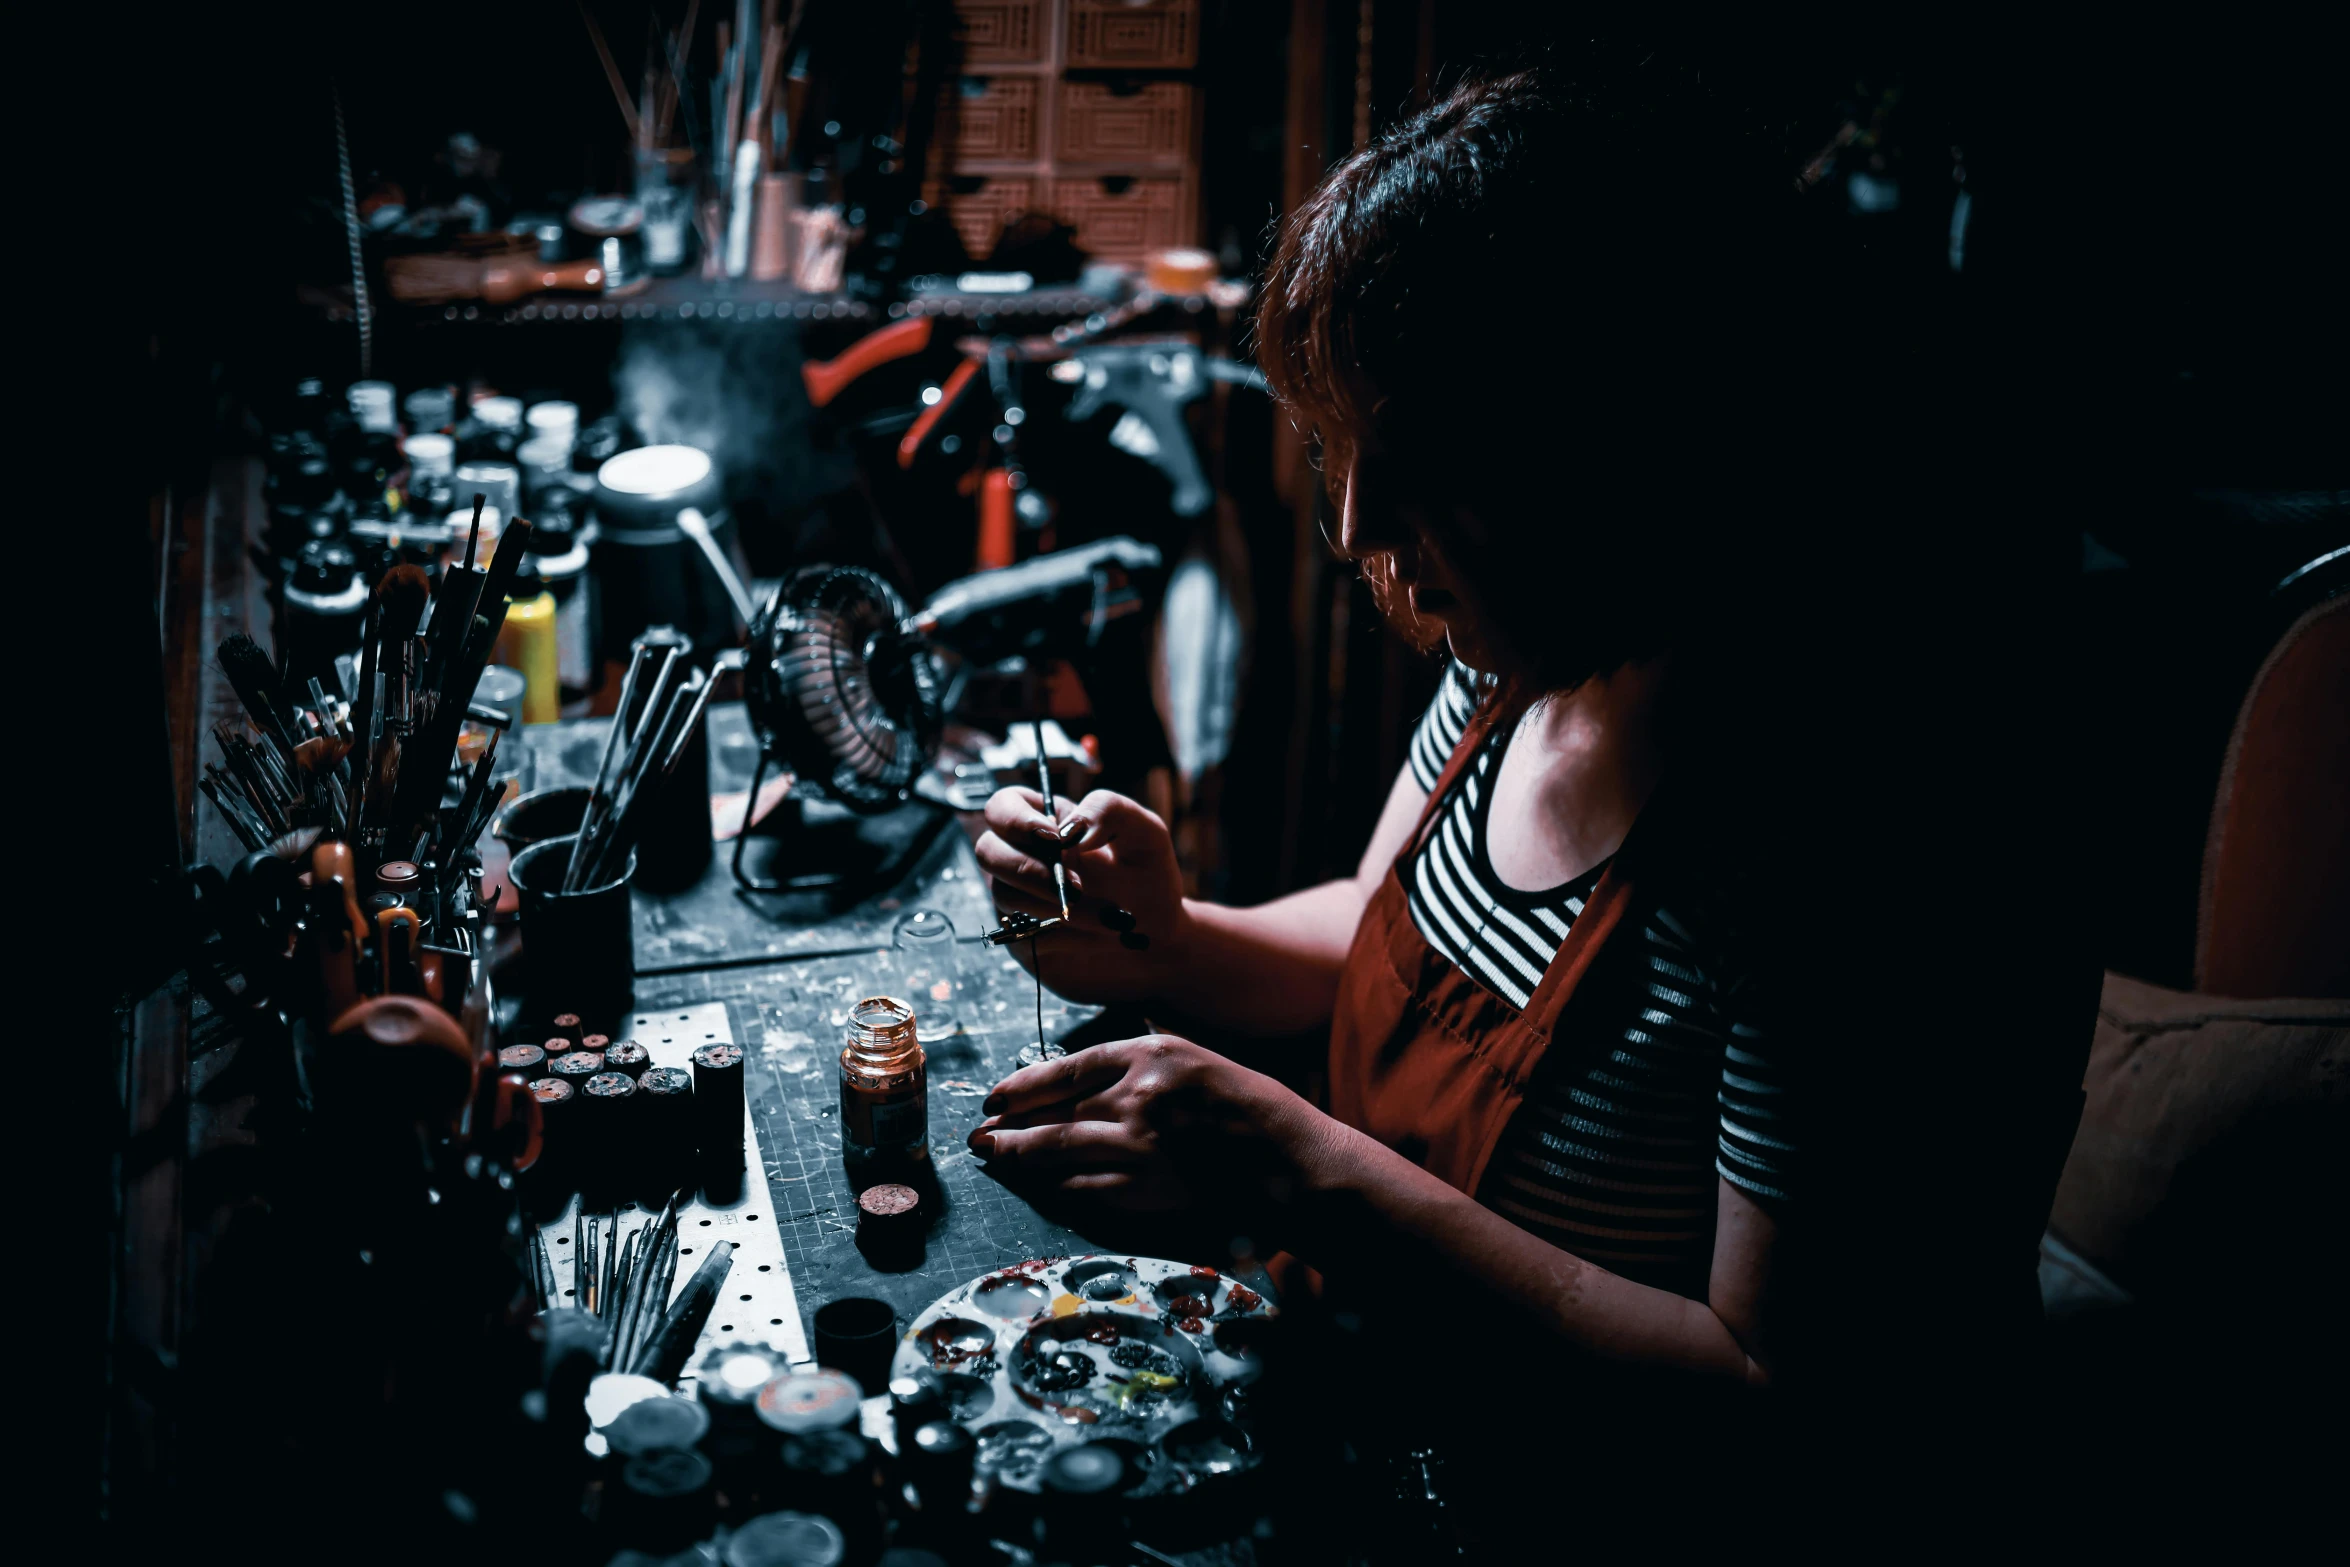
point(1414, 583)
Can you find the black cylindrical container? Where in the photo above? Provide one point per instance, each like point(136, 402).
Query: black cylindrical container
point(579, 948)
point(666, 1122)
point(915, 1399)
point(939, 1463)
point(628, 1057)
point(674, 848)
point(648, 571)
point(786, 1540)
point(739, 1442)
point(550, 1182)
point(609, 1127)
point(576, 1067)
point(1081, 1515)
point(857, 1335)
point(663, 1502)
point(831, 1472)
point(657, 1425)
point(528, 1060)
point(326, 613)
point(718, 1121)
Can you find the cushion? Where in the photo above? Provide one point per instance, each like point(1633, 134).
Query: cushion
point(2209, 1146)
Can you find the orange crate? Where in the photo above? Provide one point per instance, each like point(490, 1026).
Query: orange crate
point(1150, 128)
point(1122, 219)
point(1133, 35)
point(1002, 32)
point(994, 119)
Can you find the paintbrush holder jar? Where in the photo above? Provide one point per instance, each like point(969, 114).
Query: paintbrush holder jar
point(578, 948)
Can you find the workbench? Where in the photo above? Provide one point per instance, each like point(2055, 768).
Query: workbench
point(787, 969)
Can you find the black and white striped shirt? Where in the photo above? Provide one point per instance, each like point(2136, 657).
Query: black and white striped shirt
point(1667, 1081)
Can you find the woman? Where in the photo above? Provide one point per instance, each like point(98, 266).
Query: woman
point(1548, 1070)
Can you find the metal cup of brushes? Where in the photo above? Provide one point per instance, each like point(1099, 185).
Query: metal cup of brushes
point(578, 940)
point(578, 948)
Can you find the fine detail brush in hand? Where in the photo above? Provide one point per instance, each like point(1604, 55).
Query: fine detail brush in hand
point(1044, 786)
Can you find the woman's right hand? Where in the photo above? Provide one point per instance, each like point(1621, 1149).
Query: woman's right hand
point(1120, 862)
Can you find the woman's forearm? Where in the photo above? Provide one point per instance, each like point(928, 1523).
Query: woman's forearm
point(1271, 969)
point(1365, 1206)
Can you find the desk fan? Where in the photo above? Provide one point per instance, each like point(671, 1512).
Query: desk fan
point(843, 686)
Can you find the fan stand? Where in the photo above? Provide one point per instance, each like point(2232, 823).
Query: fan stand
point(835, 844)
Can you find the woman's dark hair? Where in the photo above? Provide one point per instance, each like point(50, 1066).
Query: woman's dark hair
point(1537, 301)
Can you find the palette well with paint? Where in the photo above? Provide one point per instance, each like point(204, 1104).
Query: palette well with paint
point(1150, 1355)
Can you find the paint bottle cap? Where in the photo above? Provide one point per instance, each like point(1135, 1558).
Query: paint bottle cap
point(656, 1424)
point(787, 1540)
point(499, 413)
point(529, 1060)
point(800, 1402)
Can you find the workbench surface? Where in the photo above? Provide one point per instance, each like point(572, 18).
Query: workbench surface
point(787, 970)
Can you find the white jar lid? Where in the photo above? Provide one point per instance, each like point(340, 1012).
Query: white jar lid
point(430, 452)
point(554, 418)
point(499, 413)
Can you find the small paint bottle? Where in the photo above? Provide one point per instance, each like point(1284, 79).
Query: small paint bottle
point(884, 1094)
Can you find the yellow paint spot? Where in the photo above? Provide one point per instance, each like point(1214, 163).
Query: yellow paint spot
point(1066, 1305)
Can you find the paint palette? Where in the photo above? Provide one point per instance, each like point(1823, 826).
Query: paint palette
point(1152, 1356)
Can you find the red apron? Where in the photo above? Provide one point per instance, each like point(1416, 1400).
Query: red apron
point(1424, 1058)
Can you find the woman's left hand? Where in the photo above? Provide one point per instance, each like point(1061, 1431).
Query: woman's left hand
point(1153, 1123)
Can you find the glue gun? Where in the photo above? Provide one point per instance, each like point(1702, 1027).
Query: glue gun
point(1153, 382)
point(1060, 602)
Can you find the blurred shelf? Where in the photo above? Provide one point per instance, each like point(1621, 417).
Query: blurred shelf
point(699, 299)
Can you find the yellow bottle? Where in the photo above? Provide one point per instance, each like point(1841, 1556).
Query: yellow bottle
point(527, 643)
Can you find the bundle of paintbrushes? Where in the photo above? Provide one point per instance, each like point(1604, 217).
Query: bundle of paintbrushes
point(370, 776)
point(628, 1284)
point(642, 749)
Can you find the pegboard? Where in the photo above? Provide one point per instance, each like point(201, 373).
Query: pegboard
point(758, 1304)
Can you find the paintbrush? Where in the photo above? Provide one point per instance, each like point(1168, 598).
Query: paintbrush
point(661, 1235)
point(433, 751)
point(453, 602)
point(665, 1354)
point(399, 600)
point(615, 1317)
point(610, 845)
point(657, 1295)
point(609, 1263)
point(256, 681)
point(587, 845)
point(542, 1269)
point(600, 792)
